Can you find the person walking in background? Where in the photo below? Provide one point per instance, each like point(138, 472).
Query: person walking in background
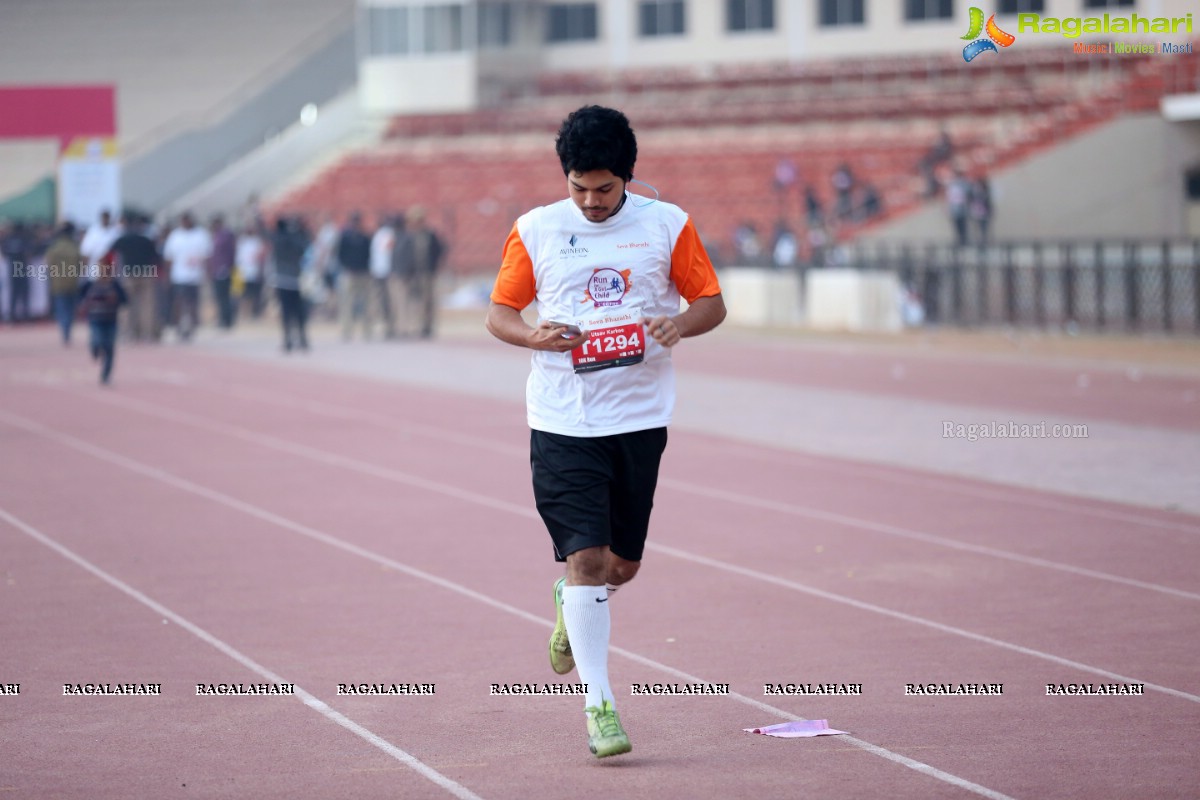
point(425, 252)
point(785, 248)
point(98, 240)
point(813, 212)
point(288, 248)
point(250, 259)
point(65, 262)
point(980, 207)
point(939, 153)
point(220, 270)
point(325, 263)
point(599, 417)
point(137, 260)
point(102, 298)
point(383, 243)
point(354, 282)
point(186, 253)
point(16, 245)
point(843, 182)
point(958, 196)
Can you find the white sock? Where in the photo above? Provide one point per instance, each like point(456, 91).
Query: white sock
point(611, 588)
point(585, 612)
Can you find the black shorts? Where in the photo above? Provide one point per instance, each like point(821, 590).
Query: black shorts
point(596, 491)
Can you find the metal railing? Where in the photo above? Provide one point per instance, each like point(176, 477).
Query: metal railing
point(1144, 285)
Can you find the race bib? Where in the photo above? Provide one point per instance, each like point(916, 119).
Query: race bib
point(610, 346)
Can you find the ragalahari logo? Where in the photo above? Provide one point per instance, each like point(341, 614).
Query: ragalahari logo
point(995, 36)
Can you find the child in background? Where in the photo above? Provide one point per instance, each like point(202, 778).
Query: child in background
point(102, 298)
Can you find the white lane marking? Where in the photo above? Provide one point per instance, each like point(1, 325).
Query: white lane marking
point(760, 454)
point(410, 761)
point(426, 484)
point(671, 483)
point(905, 533)
point(267, 516)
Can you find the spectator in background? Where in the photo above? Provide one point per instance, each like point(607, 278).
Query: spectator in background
point(17, 246)
point(354, 282)
point(64, 260)
point(818, 246)
point(786, 248)
point(250, 259)
point(941, 152)
point(98, 240)
point(958, 196)
point(402, 256)
point(186, 252)
point(324, 260)
point(843, 188)
point(426, 250)
point(102, 297)
point(813, 211)
point(220, 270)
point(746, 245)
point(383, 243)
point(980, 207)
point(288, 246)
point(869, 203)
point(137, 260)
point(785, 179)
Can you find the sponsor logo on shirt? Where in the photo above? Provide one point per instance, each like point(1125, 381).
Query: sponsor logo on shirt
point(572, 251)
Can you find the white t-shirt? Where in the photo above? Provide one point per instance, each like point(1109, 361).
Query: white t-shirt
point(381, 252)
point(98, 241)
point(188, 251)
point(603, 276)
point(250, 256)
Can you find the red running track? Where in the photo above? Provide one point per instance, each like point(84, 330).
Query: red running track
point(211, 519)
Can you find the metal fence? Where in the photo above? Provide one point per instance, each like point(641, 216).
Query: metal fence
point(1102, 285)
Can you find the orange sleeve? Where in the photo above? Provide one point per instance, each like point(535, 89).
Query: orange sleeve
point(515, 285)
point(691, 270)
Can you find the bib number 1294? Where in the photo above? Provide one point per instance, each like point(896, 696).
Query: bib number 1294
point(616, 346)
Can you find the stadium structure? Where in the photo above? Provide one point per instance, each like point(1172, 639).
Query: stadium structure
point(1081, 114)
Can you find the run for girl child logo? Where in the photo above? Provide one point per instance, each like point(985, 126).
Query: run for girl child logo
point(607, 287)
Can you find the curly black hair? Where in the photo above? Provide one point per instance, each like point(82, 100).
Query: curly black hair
point(595, 137)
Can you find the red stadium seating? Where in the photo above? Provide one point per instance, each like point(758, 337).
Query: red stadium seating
point(710, 139)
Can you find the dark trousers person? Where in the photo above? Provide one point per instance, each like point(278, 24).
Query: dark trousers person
point(64, 314)
point(185, 300)
point(223, 293)
point(18, 297)
point(252, 295)
point(422, 302)
point(294, 313)
point(104, 345)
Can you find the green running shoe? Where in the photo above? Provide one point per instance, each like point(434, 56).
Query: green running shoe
point(606, 737)
point(561, 660)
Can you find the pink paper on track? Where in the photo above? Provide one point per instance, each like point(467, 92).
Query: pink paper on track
point(797, 729)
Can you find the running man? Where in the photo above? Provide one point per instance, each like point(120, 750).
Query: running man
point(607, 270)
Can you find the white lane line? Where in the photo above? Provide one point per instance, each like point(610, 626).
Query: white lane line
point(410, 761)
point(708, 493)
point(900, 615)
point(999, 493)
point(426, 484)
point(898, 475)
point(283, 522)
point(384, 473)
point(905, 533)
